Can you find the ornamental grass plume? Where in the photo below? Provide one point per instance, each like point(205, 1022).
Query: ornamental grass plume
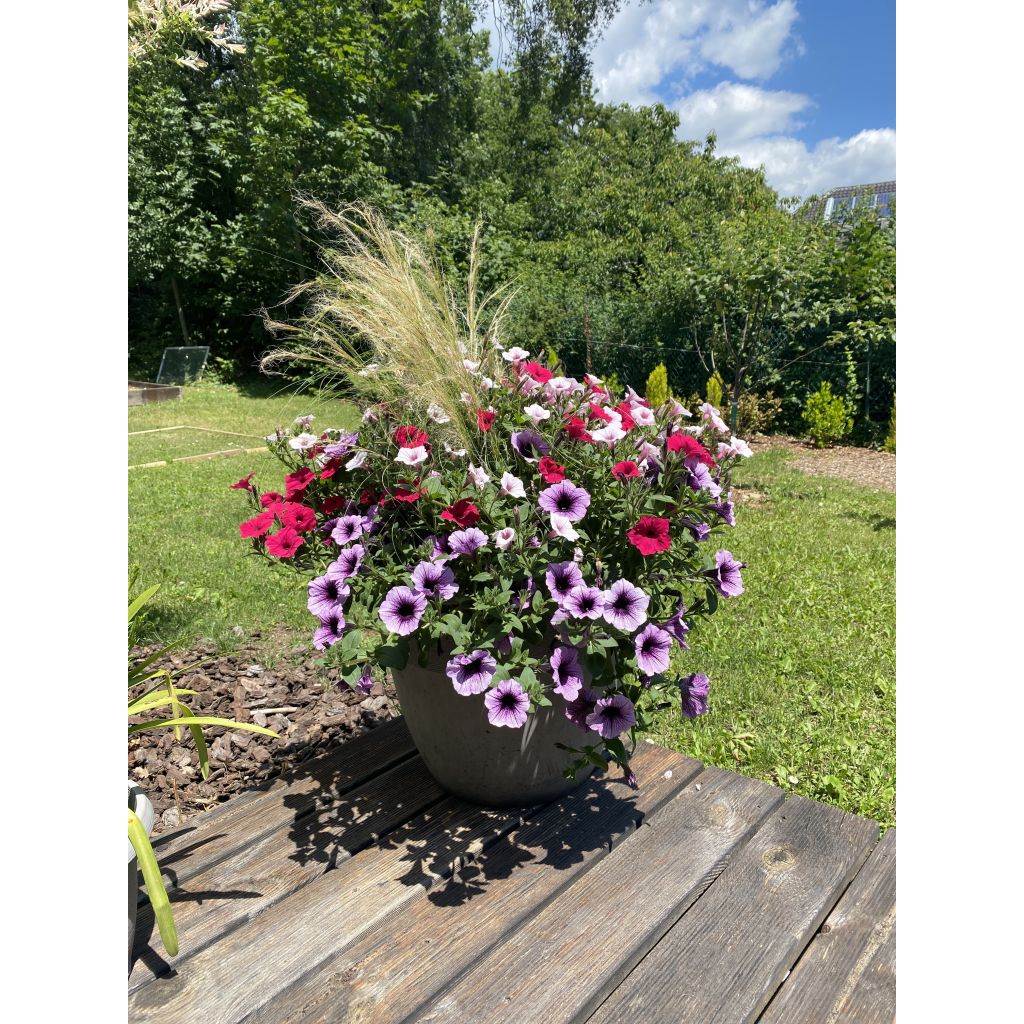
point(383, 322)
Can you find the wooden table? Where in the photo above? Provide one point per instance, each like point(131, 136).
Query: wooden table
point(355, 890)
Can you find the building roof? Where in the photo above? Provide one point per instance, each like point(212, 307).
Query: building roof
point(817, 209)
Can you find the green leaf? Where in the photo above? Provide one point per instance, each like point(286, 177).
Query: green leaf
point(394, 655)
point(154, 883)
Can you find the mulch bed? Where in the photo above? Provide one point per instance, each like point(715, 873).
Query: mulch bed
point(863, 466)
point(291, 695)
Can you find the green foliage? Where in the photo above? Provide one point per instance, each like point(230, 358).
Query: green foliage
point(715, 390)
point(758, 413)
point(658, 392)
point(890, 438)
point(827, 417)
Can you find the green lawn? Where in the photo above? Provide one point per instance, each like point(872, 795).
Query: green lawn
point(802, 665)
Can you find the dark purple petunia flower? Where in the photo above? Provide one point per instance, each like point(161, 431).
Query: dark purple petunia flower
point(677, 628)
point(525, 598)
point(327, 594)
point(349, 559)
point(726, 509)
point(699, 479)
point(584, 603)
point(329, 631)
point(504, 645)
point(611, 715)
point(365, 684)
point(577, 710)
point(434, 580)
point(566, 499)
point(347, 529)
point(694, 692)
point(467, 542)
point(507, 705)
point(567, 672)
point(371, 520)
point(441, 549)
point(402, 610)
point(561, 577)
point(726, 575)
point(530, 445)
point(652, 647)
point(625, 606)
point(342, 446)
point(700, 531)
point(471, 673)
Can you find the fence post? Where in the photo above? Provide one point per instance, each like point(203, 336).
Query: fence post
point(587, 335)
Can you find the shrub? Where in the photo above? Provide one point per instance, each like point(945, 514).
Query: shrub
point(715, 389)
point(890, 440)
point(658, 392)
point(827, 416)
point(758, 413)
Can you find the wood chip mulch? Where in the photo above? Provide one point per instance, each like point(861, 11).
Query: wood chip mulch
point(291, 695)
point(864, 466)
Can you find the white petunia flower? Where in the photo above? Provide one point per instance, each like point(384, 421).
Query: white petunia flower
point(561, 526)
point(437, 414)
point(356, 461)
point(471, 364)
point(458, 453)
point(503, 539)
point(537, 413)
point(412, 456)
point(303, 442)
point(515, 355)
point(642, 416)
point(479, 476)
point(304, 421)
point(512, 486)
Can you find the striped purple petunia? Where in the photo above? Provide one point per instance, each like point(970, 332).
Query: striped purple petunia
point(652, 647)
point(347, 529)
point(625, 606)
point(584, 603)
point(402, 610)
point(329, 631)
point(567, 672)
point(471, 673)
point(434, 580)
point(566, 499)
point(327, 593)
point(348, 561)
point(579, 709)
point(676, 627)
point(611, 715)
point(530, 445)
point(507, 705)
point(561, 577)
point(694, 692)
point(467, 542)
point(725, 577)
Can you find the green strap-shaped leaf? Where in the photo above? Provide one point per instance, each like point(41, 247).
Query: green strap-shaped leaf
point(227, 723)
point(154, 883)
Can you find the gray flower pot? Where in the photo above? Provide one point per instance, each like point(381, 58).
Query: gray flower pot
point(139, 803)
point(469, 757)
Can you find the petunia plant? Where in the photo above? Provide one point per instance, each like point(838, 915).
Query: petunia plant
point(550, 542)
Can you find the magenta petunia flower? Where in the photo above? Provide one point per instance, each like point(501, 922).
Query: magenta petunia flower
point(584, 603)
point(402, 610)
point(327, 594)
point(347, 529)
point(694, 692)
point(349, 559)
point(625, 606)
point(471, 673)
point(329, 631)
point(561, 577)
point(467, 542)
point(578, 710)
point(434, 580)
point(567, 672)
point(284, 543)
point(507, 705)
point(530, 445)
point(566, 499)
point(726, 575)
point(652, 647)
point(611, 715)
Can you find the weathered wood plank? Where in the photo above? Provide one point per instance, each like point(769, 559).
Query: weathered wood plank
point(848, 973)
point(236, 889)
point(254, 963)
point(561, 963)
point(280, 802)
point(728, 954)
point(408, 959)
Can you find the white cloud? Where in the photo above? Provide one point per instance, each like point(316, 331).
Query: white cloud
point(738, 113)
point(750, 40)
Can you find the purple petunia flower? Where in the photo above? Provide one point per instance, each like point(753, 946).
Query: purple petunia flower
point(371, 521)
point(700, 531)
point(566, 499)
point(578, 710)
point(402, 610)
point(611, 715)
point(507, 704)
point(471, 673)
point(347, 529)
point(584, 603)
point(441, 549)
point(694, 692)
point(365, 683)
point(726, 509)
point(567, 672)
point(561, 577)
point(327, 593)
point(329, 631)
point(434, 580)
point(652, 647)
point(525, 598)
point(676, 627)
point(342, 446)
point(726, 575)
point(625, 606)
point(504, 645)
point(467, 542)
point(530, 445)
point(349, 559)
point(699, 478)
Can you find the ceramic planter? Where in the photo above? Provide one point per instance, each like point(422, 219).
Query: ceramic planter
point(469, 757)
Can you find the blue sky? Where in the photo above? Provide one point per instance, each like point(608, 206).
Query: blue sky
point(806, 88)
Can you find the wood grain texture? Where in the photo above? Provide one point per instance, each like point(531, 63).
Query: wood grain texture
point(409, 958)
point(248, 817)
point(848, 973)
point(563, 961)
point(257, 961)
point(255, 877)
point(727, 956)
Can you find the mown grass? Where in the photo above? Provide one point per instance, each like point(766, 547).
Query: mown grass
point(802, 665)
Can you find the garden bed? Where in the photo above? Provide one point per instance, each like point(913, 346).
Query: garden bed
point(289, 694)
point(865, 466)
